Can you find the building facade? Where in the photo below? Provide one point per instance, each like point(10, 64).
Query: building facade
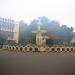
point(73, 39)
point(9, 29)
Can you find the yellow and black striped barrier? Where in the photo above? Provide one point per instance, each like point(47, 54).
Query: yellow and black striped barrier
point(27, 48)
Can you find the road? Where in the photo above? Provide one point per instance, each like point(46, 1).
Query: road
point(18, 63)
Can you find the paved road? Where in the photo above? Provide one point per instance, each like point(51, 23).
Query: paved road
point(17, 63)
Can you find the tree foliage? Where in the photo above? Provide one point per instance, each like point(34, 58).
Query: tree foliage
point(57, 34)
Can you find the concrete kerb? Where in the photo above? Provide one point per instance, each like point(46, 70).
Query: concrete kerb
point(29, 48)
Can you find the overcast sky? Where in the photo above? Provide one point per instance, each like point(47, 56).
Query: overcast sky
point(60, 10)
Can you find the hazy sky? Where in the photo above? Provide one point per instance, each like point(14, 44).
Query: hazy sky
point(60, 10)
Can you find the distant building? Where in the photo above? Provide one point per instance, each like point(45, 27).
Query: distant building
point(9, 29)
point(73, 39)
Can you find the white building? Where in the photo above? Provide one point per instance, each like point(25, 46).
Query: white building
point(9, 29)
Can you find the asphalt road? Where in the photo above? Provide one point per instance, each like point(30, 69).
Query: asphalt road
point(18, 63)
